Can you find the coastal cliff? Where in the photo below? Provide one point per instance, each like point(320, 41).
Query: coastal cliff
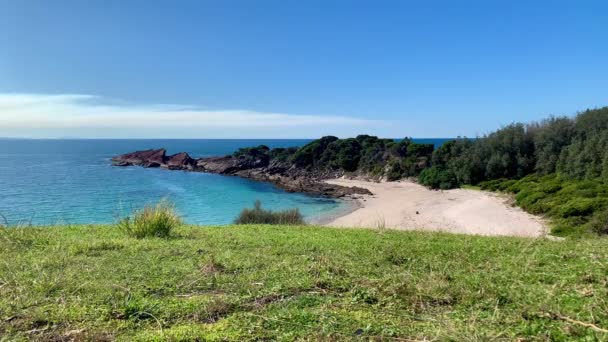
point(259, 167)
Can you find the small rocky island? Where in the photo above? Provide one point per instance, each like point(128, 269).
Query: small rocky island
point(256, 166)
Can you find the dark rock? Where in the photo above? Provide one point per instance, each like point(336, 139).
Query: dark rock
point(147, 158)
point(221, 165)
point(180, 161)
point(283, 174)
point(155, 158)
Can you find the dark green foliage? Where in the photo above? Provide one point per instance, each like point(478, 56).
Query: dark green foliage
point(374, 154)
point(394, 170)
point(394, 160)
point(257, 215)
point(508, 152)
point(437, 178)
point(282, 154)
point(260, 150)
point(341, 154)
point(550, 137)
point(575, 148)
point(591, 122)
point(586, 157)
point(415, 157)
point(309, 154)
point(255, 155)
point(454, 158)
point(365, 153)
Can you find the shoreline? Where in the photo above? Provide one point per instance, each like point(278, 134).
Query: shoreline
point(406, 205)
point(348, 206)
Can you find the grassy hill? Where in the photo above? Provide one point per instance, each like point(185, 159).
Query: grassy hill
point(276, 282)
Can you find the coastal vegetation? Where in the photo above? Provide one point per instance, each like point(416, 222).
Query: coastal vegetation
point(258, 215)
point(364, 155)
point(571, 148)
point(151, 221)
point(260, 282)
point(557, 167)
point(576, 207)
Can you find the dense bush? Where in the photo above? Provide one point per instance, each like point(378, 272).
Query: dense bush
point(571, 147)
point(341, 154)
point(151, 221)
point(599, 222)
point(364, 154)
point(437, 178)
point(576, 206)
point(282, 154)
point(260, 150)
point(310, 154)
point(257, 215)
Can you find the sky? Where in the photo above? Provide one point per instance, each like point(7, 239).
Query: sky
point(295, 69)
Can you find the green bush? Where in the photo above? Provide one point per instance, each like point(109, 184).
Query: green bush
point(257, 215)
point(531, 201)
point(495, 184)
point(576, 207)
point(436, 178)
point(599, 222)
point(550, 186)
point(151, 221)
point(394, 171)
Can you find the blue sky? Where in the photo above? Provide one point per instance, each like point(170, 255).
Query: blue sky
point(246, 69)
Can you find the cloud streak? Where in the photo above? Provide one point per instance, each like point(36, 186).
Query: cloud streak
point(48, 115)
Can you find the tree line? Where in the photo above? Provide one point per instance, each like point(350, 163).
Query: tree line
point(575, 148)
point(365, 155)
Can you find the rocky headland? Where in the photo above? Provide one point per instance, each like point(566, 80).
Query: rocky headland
point(282, 173)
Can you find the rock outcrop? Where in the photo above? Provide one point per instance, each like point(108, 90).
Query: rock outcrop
point(283, 174)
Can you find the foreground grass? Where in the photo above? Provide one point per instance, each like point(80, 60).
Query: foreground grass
point(272, 282)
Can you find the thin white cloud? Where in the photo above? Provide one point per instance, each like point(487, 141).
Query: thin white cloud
point(50, 115)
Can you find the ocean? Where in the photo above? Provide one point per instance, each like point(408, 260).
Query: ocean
point(49, 182)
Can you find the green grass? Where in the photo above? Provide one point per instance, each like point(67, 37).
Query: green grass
point(258, 215)
point(284, 283)
point(470, 187)
point(156, 220)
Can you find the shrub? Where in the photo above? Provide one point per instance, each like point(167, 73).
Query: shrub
point(599, 222)
point(257, 215)
point(576, 207)
point(151, 221)
point(493, 185)
point(436, 178)
point(526, 198)
point(394, 171)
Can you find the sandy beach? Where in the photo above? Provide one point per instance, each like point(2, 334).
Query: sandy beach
point(406, 205)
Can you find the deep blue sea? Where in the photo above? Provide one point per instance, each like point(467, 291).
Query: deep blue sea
point(72, 181)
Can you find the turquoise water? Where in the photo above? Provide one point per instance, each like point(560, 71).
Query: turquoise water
point(72, 181)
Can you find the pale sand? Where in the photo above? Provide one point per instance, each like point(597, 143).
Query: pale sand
point(394, 205)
